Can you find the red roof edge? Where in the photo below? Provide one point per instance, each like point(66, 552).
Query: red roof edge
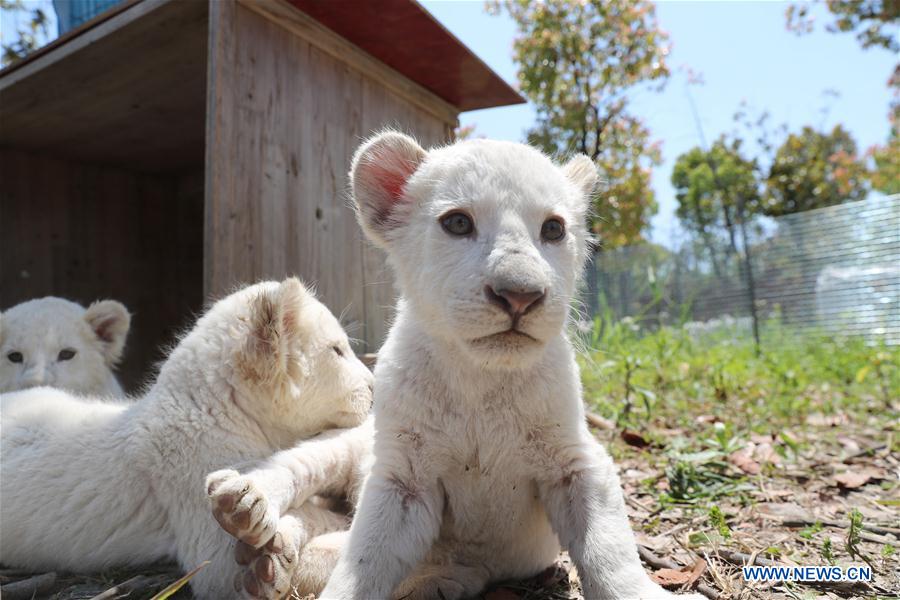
point(407, 38)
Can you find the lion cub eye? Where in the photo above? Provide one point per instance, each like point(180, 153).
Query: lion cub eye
point(66, 354)
point(338, 351)
point(552, 230)
point(458, 224)
point(15, 357)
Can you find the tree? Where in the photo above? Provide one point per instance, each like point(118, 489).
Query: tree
point(873, 21)
point(716, 189)
point(812, 170)
point(578, 62)
point(886, 175)
point(626, 201)
point(28, 39)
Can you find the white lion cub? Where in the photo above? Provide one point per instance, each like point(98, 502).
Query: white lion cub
point(89, 484)
point(54, 342)
point(483, 464)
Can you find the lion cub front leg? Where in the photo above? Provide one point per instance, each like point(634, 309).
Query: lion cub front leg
point(587, 510)
point(249, 504)
point(397, 520)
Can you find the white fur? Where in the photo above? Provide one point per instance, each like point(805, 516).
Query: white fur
point(332, 464)
point(483, 464)
point(39, 330)
point(90, 484)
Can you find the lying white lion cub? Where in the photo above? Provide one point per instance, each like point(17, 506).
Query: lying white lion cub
point(55, 342)
point(89, 484)
point(483, 463)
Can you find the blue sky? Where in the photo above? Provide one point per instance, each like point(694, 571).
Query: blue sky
point(743, 52)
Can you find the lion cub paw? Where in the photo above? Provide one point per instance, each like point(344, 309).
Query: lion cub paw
point(268, 571)
point(241, 508)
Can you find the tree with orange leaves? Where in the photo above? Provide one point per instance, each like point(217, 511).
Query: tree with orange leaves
point(813, 169)
point(579, 61)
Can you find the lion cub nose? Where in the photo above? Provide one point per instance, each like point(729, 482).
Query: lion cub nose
point(515, 302)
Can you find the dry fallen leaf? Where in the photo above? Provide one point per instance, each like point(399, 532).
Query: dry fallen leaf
point(849, 444)
point(655, 543)
point(854, 479)
point(743, 460)
point(765, 453)
point(697, 571)
point(633, 438)
point(783, 511)
point(670, 577)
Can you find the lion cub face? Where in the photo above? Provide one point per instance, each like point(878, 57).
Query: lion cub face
point(54, 342)
point(287, 356)
point(487, 238)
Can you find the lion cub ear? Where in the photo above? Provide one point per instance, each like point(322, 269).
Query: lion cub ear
point(378, 176)
point(582, 171)
point(110, 321)
point(277, 320)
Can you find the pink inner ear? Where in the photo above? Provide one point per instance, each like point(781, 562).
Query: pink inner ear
point(103, 329)
point(392, 180)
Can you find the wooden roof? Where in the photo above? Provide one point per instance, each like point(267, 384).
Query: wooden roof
point(128, 90)
point(128, 87)
point(400, 33)
point(403, 35)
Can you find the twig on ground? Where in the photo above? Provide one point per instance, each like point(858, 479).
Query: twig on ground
point(865, 452)
point(658, 562)
point(682, 526)
point(798, 522)
point(720, 577)
point(595, 420)
point(139, 583)
point(878, 539)
point(28, 588)
point(638, 505)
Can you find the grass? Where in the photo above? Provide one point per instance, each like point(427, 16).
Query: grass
point(634, 377)
point(726, 433)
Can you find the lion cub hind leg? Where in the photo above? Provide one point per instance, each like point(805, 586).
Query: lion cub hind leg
point(283, 564)
point(442, 581)
point(317, 560)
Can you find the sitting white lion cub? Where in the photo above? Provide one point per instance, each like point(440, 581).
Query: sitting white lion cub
point(89, 484)
point(53, 342)
point(483, 464)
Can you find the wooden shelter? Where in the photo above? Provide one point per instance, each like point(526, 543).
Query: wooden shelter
point(169, 150)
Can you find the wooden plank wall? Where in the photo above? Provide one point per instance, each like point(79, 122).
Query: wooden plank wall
point(285, 117)
point(84, 232)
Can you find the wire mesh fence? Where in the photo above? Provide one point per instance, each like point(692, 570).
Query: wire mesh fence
point(834, 270)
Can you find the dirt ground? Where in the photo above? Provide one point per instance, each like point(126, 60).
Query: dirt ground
point(776, 502)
